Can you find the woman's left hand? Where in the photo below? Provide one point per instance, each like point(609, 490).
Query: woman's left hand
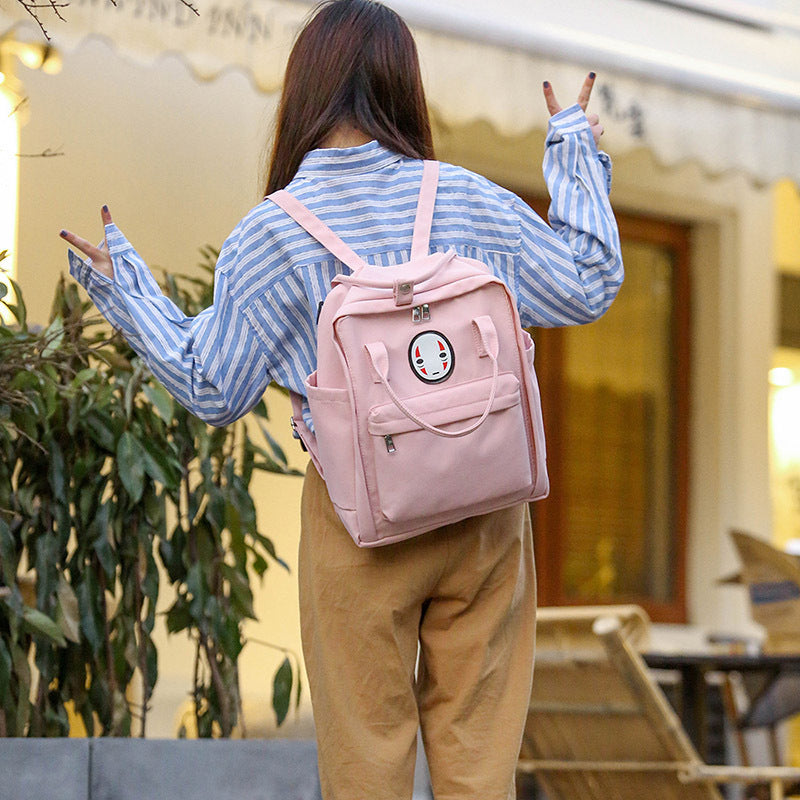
point(101, 260)
point(583, 101)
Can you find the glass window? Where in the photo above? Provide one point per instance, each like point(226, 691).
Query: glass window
point(616, 398)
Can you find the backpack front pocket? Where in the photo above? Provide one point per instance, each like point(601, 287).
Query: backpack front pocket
point(490, 462)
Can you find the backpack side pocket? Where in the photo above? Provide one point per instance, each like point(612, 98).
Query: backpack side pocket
point(332, 414)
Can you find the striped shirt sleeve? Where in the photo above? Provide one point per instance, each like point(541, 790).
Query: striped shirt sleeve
point(569, 272)
point(213, 363)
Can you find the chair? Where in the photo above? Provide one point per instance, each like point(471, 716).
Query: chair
point(598, 725)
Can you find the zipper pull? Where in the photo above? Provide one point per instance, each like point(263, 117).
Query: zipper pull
point(390, 448)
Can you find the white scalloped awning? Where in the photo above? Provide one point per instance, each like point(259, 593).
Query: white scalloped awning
point(724, 93)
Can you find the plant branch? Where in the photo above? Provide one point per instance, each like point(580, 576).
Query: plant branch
point(46, 153)
point(219, 684)
point(111, 676)
point(33, 7)
point(142, 646)
point(196, 686)
point(18, 106)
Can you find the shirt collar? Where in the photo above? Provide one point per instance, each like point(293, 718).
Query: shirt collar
point(331, 161)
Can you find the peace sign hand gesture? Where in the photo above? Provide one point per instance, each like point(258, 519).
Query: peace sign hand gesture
point(583, 101)
point(101, 260)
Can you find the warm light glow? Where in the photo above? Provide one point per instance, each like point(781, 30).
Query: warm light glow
point(2, 77)
point(52, 62)
point(786, 426)
point(9, 165)
point(793, 547)
point(781, 376)
point(32, 55)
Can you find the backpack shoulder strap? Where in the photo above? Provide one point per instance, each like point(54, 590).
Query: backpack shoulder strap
point(318, 229)
point(420, 245)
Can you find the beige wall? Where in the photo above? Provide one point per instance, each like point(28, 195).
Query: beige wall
point(177, 162)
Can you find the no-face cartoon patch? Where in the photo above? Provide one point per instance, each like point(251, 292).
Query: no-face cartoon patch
point(431, 357)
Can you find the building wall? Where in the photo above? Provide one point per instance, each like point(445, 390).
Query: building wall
point(177, 162)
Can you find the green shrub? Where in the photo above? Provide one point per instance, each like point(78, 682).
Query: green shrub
point(93, 453)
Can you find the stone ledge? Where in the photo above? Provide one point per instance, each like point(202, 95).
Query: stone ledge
point(44, 769)
point(158, 769)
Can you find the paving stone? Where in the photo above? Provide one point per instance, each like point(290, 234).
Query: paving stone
point(44, 769)
point(160, 769)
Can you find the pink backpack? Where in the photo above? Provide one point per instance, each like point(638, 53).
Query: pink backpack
point(425, 403)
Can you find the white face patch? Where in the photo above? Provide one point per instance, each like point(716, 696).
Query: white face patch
point(431, 357)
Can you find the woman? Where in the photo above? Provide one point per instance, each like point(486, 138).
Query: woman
point(352, 130)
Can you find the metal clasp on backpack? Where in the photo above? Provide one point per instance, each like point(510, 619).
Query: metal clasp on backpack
point(421, 313)
point(297, 435)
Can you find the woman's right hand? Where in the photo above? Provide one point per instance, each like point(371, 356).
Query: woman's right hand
point(583, 101)
point(101, 260)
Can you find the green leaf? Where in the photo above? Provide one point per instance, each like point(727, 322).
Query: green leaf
point(8, 554)
point(53, 337)
point(22, 671)
point(160, 465)
point(160, 398)
point(150, 578)
point(101, 429)
point(40, 623)
point(130, 464)
point(240, 595)
point(105, 554)
point(230, 638)
point(89, 500)
point(299, 690)
point(178, 617)
point(277, 450)
point(84, 376)
point(91, 623)
point(69, 620)
point(215, 510)
point(101, 543)
point(17, 309)
point(282, 690)
point(270, 548)
point(151, 659)
point(5, 674)
point(260, 565)
point(55, 470)
point(171, 551)
point(195, 585)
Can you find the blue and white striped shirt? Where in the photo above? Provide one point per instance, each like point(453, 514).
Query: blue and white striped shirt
point(271, 275)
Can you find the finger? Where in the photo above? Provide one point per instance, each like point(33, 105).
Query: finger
point(593, 119)
point(550, 98)
point(105, 214)
point(85, 246)
point(586, 91)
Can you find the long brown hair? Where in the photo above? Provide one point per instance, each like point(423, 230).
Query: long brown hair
point(355, 62)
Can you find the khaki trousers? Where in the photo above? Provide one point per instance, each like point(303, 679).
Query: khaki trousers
point(466, 594)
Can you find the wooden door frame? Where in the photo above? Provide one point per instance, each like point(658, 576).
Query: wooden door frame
point(548, 517)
